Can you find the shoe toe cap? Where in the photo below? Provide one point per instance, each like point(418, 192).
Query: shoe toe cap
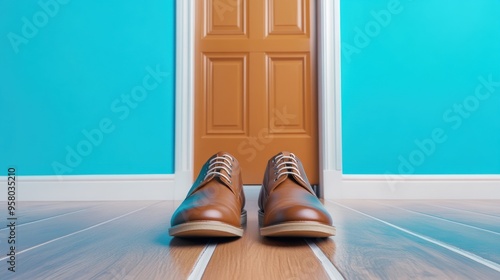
point(298, 213)
point(205, 213)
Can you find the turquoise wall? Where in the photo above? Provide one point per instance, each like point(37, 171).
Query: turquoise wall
point(87, 87)
point(421, 86)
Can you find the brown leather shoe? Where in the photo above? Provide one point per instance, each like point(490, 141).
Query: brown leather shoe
point(288, 204)
point(214, 205)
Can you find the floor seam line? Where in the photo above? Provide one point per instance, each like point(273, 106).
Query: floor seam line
point(80, 231)
point(442, 219)
point(202, 261)
point(328, 266)
point(468, 211)
point(493, 265)
point(45, 219)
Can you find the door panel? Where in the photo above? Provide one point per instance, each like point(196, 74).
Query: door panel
point(225, 17)
point(288, 17)
point(226, 83)
point(288, 91)
point(255, 91)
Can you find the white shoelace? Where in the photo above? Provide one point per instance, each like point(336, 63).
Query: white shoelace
point(286, 167)
point(219, 163)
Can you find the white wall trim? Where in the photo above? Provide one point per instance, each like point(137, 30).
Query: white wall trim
point(402, 178)
point(184, 139)
point(329, 93)
point(92, 188)
point(411, 187)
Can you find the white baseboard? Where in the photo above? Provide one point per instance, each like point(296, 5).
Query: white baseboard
point(168, 187)
point(338, 186)
point(91, 188)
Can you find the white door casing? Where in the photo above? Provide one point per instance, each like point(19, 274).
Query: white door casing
point(328, 81)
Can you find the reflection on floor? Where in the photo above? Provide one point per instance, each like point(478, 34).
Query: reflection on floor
point(375, 240)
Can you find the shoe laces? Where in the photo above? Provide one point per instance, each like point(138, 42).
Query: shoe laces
point(219, 163)
point(285, 165)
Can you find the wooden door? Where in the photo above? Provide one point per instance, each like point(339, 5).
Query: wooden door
point(256, 83)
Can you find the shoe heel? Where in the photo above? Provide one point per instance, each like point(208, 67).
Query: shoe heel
point(261, 218)
point(243, 217)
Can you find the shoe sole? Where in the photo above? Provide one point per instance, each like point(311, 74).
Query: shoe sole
point(296, 229)
point(208, 229)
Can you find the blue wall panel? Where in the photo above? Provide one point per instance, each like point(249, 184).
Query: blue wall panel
point(421, 86)
point(87, 87)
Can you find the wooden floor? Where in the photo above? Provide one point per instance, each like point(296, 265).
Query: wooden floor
point(375, 240)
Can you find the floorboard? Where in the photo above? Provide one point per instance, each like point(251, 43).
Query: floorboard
point(137, 244)
point(480, 243)
point(255, 257)
point(32, 212)
point(33, 208)
point(434, 208)
point(365, 248)
point(479, 207)
point(37, 233)
point(375, 240)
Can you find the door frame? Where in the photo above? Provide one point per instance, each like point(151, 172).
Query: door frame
point(328, 76)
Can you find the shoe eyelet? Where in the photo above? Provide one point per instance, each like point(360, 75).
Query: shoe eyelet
point(275, 179)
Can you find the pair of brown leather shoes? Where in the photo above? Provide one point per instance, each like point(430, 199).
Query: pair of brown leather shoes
point(215, 204)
